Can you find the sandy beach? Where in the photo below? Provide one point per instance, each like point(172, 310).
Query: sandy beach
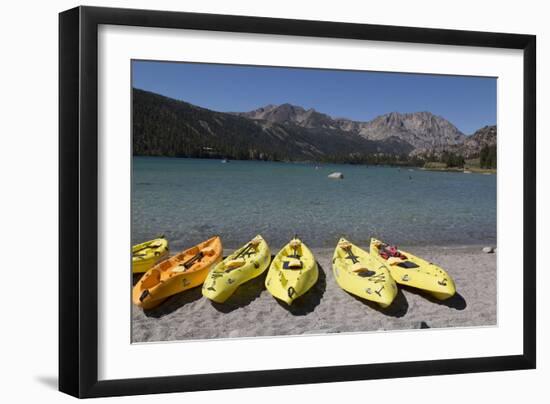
point(326, 308)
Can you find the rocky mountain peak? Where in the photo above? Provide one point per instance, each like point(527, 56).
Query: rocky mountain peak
point(275, 113)
point(291, 114)
point(423, 130)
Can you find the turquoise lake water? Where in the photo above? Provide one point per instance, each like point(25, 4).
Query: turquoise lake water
point(190, 200)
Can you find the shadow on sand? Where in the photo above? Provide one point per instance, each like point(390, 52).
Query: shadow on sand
point(398, 308)
point(244, 295)
point(175, 302)
point(456, 302)
point(306, 304)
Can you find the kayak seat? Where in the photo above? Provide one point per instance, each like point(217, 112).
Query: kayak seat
point(361, 270)
point(293, 263)
point(234, 264)
point(407, 264)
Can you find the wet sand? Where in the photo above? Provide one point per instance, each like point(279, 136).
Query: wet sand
point(326, 308)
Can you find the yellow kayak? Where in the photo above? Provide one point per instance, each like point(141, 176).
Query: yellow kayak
point(148, 254)
point(246, 263)
point(361, 274)
point(408, 269)
point(292, 273)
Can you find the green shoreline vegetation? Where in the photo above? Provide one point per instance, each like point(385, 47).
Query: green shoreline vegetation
point(485, 163)
point(446, 162)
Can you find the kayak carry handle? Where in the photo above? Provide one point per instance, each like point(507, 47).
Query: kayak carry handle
point(143, 295)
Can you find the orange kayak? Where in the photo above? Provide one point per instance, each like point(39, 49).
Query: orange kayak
point(183, 271)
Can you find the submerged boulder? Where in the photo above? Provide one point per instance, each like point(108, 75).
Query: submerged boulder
point(336, 176)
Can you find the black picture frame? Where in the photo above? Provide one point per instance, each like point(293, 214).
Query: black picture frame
point(78, 200)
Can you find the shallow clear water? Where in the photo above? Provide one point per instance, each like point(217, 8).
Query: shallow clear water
point(190, 200)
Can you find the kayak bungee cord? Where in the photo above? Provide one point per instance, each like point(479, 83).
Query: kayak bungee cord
point(351, 256)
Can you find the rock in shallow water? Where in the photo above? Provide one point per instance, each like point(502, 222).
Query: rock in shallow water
point(336, 176)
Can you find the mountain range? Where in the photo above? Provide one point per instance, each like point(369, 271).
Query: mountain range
point(422, 130)
point(168, 127)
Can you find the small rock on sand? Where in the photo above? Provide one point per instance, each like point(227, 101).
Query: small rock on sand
point(488, 250)
point(336, 176)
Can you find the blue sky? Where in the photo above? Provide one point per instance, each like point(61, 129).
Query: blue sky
point(468, 102)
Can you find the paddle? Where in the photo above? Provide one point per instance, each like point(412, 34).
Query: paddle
point(189, 263)
point(244, 250)
point(253, 244)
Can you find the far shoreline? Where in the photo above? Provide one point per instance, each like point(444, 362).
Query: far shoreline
point(404, 165)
